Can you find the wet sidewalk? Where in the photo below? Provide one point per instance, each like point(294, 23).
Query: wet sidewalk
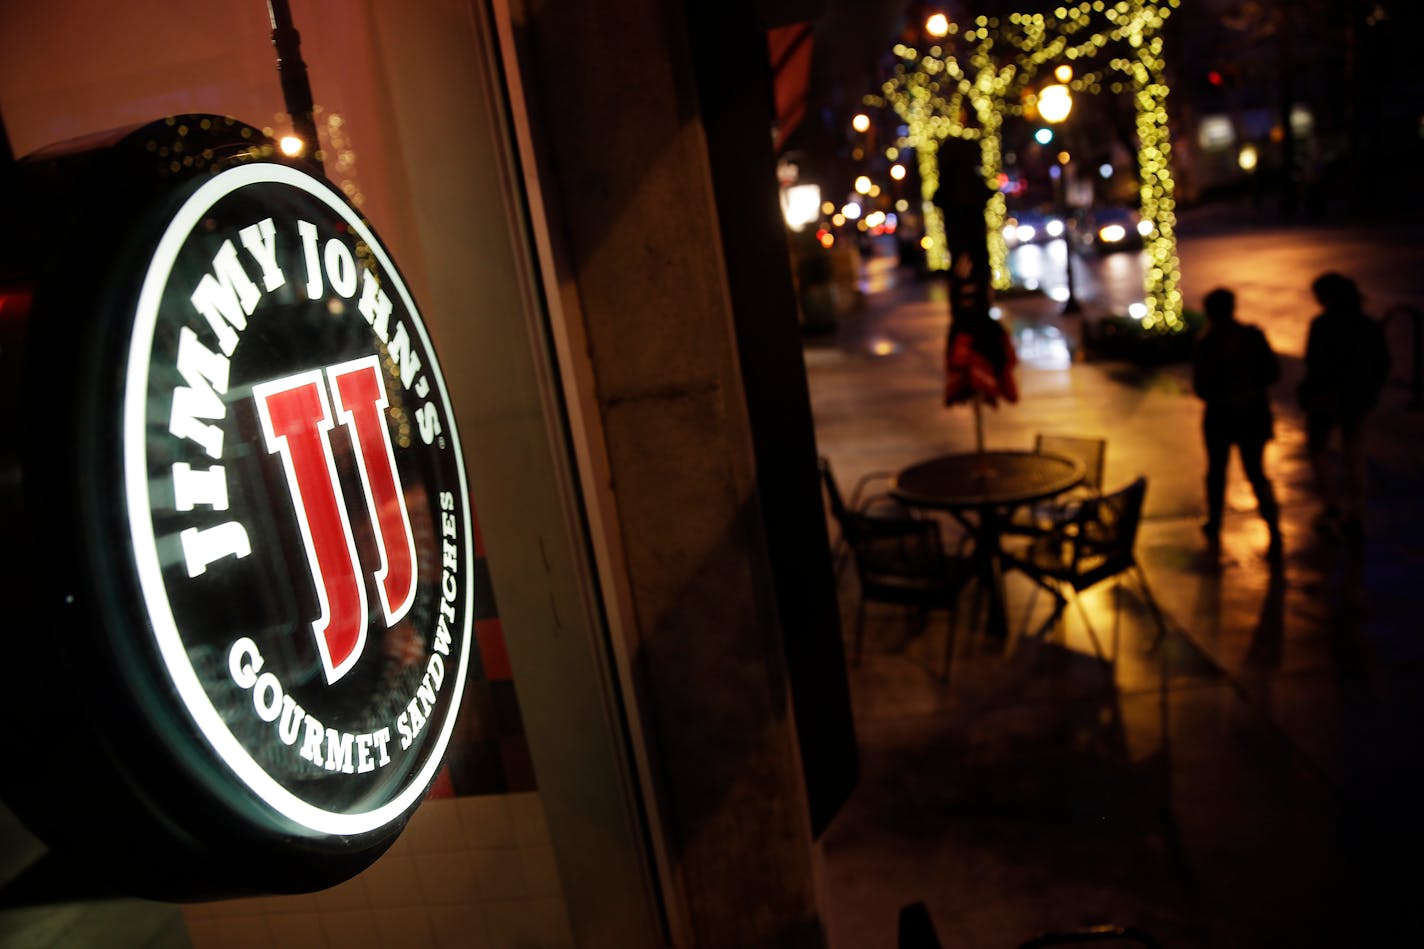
point(1245, 779)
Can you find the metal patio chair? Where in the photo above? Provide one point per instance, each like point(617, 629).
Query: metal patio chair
point(916, 930)
point(1094, 545)
point(899, 559)
point(1095, 936)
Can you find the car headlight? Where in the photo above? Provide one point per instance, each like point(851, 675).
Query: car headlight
point(1111, 233)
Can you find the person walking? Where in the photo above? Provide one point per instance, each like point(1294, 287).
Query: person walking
point(1346, 366)
point(1232, 368)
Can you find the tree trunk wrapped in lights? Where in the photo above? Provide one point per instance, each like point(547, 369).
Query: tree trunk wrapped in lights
point(979, 357)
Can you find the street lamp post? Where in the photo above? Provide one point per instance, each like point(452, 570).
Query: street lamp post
point(1054, 103)
point(1070, 305)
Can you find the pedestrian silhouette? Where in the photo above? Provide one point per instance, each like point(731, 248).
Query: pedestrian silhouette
point(1346, 365)
point(1231, 370)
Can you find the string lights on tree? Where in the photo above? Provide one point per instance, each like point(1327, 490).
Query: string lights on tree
point(966, 81)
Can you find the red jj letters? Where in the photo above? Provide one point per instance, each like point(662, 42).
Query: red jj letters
point(296, 416)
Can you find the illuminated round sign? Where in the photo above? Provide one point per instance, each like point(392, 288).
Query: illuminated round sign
point(281, 392)
point(272, 472)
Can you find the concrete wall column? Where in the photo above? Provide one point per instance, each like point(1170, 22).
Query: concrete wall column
point(621, 161)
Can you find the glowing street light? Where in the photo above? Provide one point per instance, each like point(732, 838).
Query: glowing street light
point(861, 122)
point(862, 185)
point(1054, 103)
point(937, 25)
point(897, 172)
point(291, 145)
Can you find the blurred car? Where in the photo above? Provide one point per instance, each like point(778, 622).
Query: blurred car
point(1031, 227)
point(1112, 229)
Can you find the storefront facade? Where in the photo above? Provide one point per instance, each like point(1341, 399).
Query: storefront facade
point(629, 766)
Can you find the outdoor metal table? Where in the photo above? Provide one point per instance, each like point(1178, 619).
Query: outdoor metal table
point(986, 485)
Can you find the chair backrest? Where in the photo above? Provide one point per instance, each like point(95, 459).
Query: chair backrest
point(1112, 528)
point(1090, 452)
point(833, 493)
point(1095, 936)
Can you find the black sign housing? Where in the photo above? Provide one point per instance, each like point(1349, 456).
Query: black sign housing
point(238, 533)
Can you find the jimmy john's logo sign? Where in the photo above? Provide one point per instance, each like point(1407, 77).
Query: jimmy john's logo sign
point(296, 500)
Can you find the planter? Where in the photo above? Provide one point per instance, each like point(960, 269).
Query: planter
point(1124, 339)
